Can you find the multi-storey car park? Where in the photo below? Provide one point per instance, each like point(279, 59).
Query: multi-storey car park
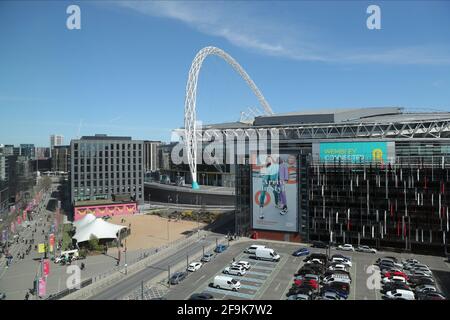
point(376, 176)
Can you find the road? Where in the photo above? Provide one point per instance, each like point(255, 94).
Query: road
point(122, 288)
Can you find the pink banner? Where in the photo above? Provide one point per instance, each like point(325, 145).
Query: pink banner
point(46, 267)
point(24, 215)
point(42, 287)
point(19, 220)
point(13, 227)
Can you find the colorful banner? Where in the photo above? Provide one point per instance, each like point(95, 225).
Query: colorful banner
point(24, 215)
point(354, 151)
point(42, 287)
point(19, 220)
point(13, 227)
point(46, 267)
point(274, 193)
point(52, 241)
point(41, 248)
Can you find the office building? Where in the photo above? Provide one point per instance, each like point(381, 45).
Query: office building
point(151, 155)
point(107, 175)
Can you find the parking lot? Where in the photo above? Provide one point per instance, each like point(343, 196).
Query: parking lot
point(272, 280)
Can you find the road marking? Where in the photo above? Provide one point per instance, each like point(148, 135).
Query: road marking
point(246, 286)
point(231, 293)
point(251, 279)
point(263, 268)
point(200, 278)
point(258, 273)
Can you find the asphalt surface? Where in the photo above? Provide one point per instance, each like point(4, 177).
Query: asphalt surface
point(124, 287)
point(271, 281)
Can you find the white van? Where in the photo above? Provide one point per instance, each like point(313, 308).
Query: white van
point(227, 283)
point(266, 254)
point(252, 248)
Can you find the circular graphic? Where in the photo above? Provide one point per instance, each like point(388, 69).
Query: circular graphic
point(266, 201)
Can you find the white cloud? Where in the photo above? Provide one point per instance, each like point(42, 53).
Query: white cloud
point(243, 28)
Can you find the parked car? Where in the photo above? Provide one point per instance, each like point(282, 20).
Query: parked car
point(304, 289)
point(313, 284)
point(320, 256)
point(266, 254)
point(425, 288)
point(394, 279)
point(244, 264)
point(336, 278)
point(395, 285)
point(299, 296)
point(396, 274)
point(417, 281)
point(431, 296)
point(201, 296)
point(337, 267)
point(194, 266)
point(315, 261)
point(177, 277)
point(207, 257)
point(226, 283)
point(319, 244)
point(341, 293)
point(252, 248)
point(237, 271)
point(331, 295)
point(343, 261)
point(399, 294)
point(410, 261)
point(2, 296)
point(220, 248)
point(366, 249)
point(301, 252)
point(346, 247)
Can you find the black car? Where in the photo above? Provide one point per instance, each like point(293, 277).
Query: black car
point(309, 270)
point(303, 289)
point(177, 277)
point(416, 281)
point(319, 244)
point(321, 256)
point(431, 296)
point(201, 296)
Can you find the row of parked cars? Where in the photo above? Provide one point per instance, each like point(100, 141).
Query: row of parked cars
point(407, 280)
point(321, 277)
point(179, 276)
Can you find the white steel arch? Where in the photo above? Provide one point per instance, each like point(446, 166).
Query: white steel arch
point(191, 96)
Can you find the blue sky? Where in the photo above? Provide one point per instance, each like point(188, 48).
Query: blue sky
point(125, 71)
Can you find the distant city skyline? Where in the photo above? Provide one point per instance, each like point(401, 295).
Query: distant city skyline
point(125, 71)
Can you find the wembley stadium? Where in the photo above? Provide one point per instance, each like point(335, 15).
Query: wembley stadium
point(376, 176)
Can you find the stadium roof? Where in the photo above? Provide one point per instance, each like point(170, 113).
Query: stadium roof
point(380, 115)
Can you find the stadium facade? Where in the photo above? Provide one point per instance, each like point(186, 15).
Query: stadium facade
point(376, 176)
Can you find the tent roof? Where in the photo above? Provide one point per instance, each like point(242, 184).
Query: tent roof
point(98, 228)
point(84, 221)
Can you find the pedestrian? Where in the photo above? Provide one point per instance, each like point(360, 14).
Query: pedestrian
point(234, 260)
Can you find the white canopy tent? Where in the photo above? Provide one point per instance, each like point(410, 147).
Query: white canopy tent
point(99, 229)
point(82, 222)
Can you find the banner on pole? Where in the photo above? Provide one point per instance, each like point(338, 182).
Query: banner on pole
point(46, 267)
point(41, 248)
point(42, 287)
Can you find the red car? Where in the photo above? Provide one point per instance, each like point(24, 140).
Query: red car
point(397, 274)
point(311, 283)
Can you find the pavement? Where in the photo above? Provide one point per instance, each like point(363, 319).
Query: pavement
point(16, 280)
